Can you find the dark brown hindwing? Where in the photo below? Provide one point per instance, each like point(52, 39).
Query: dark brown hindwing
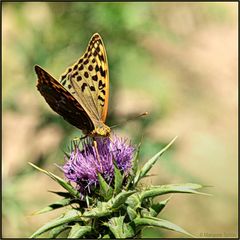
point(62, 102)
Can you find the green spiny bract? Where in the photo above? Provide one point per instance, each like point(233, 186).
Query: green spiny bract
point(119, 209)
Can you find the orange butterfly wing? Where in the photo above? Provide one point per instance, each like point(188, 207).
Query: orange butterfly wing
point(88, 80)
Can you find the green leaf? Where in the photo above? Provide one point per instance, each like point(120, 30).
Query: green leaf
point(121, 199)
point(134, 167)
point(102, 210)
point(106, 208)
point(61, 203)
point(57, 230)
point(135, 159)
point(131, 213)
point(59, 180)
point(134, 201)
point(118, 180)
point(156, 208)
point(106, 191)
point(67, 154)
point(61, 194)
point(149, 164)
point(119, 228)
point(79, 231)
point(106, 236)
point(71, 216)
point(171, 188)
point(156, 222)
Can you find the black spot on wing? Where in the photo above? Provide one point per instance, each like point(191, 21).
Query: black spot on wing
point(101, 58)
point(100, 98)
point(98, 49)
point(103, 72)
point(86, 75)
point(75, 67)
point(84, 85)
point(96, 68)
point(75, 74)
point(86, 61)
point(90, 68)
point(92, 88)
point(64, 76)
point(101, 85)
point(94, 78)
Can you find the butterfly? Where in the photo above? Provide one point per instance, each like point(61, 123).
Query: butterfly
point(81, 95)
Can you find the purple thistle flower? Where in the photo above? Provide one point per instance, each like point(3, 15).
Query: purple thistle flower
point(84, 165)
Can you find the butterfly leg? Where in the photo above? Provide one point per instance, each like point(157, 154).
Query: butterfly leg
point(98, 157)
point(110, 139)
point(80, 138)
point(76, 141)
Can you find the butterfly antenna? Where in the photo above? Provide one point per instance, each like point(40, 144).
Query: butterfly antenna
point(129, 119)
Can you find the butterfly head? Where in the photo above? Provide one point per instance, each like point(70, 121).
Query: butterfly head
point(101, 130)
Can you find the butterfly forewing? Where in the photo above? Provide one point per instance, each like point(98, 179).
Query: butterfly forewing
point(88, 80)
point(62, 102)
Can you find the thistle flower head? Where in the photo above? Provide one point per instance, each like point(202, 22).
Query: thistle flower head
point(84, 164)
point(119, 210)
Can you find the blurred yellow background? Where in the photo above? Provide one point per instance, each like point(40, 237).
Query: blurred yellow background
point(178, 61)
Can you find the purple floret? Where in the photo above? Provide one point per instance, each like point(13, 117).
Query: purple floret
point(84, 165)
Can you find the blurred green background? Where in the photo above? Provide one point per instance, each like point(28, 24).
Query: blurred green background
point(178, 61)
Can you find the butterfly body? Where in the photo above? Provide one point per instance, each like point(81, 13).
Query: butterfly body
point(100, 130)
point(81, 94)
